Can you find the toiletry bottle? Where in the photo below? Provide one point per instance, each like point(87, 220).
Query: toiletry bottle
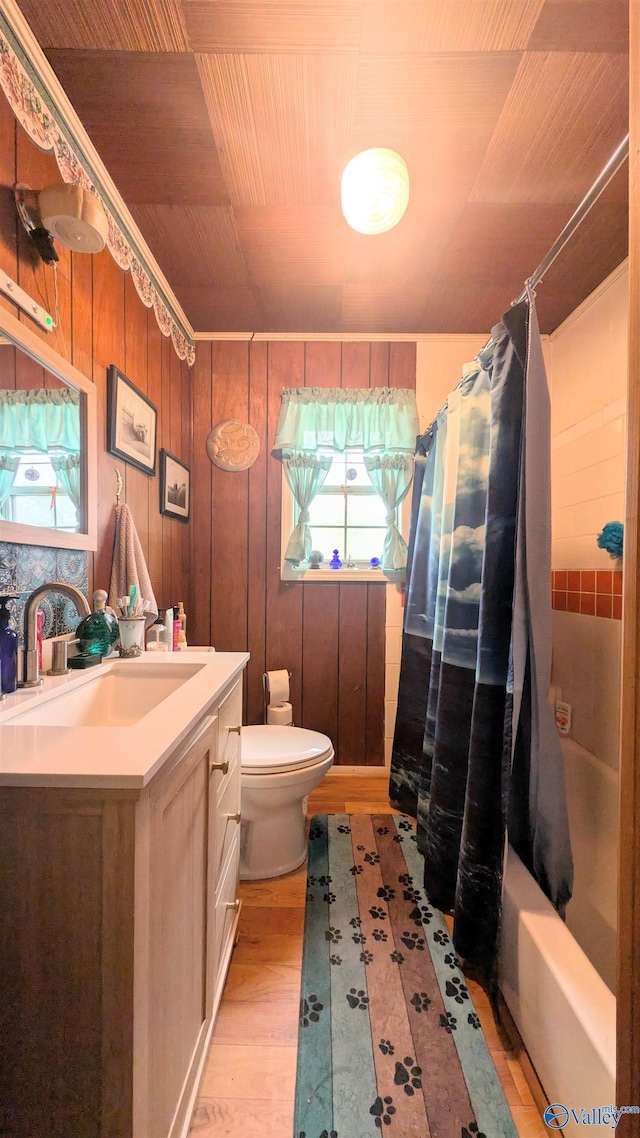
point(98, 632)
point(8, 649)
point(177, 628)
point(158, 637)
point(100, 606)
point(168, 620)
point(182, 617)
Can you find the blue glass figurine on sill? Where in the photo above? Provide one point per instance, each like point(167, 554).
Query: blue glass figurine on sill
point(335, 562)
point(374, 562)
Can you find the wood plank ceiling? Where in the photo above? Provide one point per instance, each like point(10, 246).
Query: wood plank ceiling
point(226, 125)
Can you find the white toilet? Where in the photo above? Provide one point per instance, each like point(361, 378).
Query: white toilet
point(280, 766)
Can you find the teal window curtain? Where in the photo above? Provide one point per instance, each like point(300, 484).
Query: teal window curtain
point(391, 476)
point(67, 470)
point(375, 418)
point(40, 420)
point(8, 466)
point(305, 474)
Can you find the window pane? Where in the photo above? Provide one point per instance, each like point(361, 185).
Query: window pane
point(365, 543)
point(335, 477)
point(327, 510)
point(365, 510)
point(327, 539)
point(66, 513)
point(33, 509)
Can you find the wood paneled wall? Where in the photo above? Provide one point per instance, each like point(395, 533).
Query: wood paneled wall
point(331, 637)
point(103, 321)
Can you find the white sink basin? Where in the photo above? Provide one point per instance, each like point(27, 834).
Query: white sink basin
point(117, 698)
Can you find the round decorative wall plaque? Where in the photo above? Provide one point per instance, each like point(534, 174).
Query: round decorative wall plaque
point(232, 445)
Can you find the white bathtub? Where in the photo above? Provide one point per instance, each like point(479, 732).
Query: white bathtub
point(564, 1011)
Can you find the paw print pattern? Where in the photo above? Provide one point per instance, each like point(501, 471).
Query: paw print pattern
point(411, 895)
point(310, 1008)
point(382, 1111)
point(420, 1001)
point(398, 838)
point(421, 915)
point(452, 960)
point(344, 829)
point(314, 833)
point(325, 1134)
point(471, 1131)
point(355, 870)
point(405, 879)
point(355, 922)
point(440, 937)
point(379, 934)
point(335, 959)
point(413, 940)
point(372, 858)
point(382, 830)
point(361, 849)
point(386, 893)
point(397, 957)
point(386, 1046)
point(366, 957)
point(473, 1021)
point(333, 935)
point(324, 880)
point(329, 898)
point(311, 880)
point(404, 824)
point(377, 913)
point(455, 988)
point(357, 999)
point(448, 1022)
point(359, 938)
point(408, 1075)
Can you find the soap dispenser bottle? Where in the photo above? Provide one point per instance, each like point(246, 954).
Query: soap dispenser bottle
point(98, 632)
point(8, 649)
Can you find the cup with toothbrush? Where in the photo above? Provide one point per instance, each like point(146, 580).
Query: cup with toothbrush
point(131, 623)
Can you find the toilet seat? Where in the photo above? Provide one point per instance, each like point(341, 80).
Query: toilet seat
point(276, 750)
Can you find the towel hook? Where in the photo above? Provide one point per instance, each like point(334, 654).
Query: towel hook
point(119, 485)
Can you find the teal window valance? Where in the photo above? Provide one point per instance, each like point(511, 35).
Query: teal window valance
point(40, 420)
point(378, 419)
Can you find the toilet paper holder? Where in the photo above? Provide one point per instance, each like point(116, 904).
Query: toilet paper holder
point(265, 697)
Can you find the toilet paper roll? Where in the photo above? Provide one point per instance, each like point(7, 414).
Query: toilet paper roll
point(280, 714)
point(278, 684)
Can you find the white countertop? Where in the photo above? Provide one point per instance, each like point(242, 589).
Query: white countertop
point(112, 756)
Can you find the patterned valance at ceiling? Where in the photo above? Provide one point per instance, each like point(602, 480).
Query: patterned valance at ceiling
point(26, 78)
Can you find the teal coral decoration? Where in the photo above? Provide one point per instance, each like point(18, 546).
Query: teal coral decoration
point(611, 538)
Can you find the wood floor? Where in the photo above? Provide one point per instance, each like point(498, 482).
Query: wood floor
point(249, 1082)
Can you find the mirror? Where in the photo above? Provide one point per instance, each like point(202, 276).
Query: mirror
point(47, 444)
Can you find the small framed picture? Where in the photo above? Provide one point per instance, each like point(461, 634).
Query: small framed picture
point(175, 487)
point(132, 422)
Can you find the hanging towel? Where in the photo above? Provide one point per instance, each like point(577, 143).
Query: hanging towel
point(129, 566)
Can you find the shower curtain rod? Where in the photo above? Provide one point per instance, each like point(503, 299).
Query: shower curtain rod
point(608, 172)
point(589, 200)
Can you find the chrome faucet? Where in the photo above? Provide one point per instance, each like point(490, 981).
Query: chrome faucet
point(31, 670)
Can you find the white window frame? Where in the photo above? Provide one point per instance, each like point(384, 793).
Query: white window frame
point(324, 574)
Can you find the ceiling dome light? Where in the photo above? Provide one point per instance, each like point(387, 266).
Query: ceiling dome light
point(375, 190)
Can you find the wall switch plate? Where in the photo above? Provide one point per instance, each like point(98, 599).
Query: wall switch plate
point(11, 289)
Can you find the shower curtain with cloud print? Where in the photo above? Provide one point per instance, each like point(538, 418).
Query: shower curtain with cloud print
point(475, 746)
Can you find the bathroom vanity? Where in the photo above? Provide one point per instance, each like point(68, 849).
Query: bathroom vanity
point(120, 823)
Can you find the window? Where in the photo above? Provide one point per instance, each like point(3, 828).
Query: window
point(347, 514)
point(36, 497)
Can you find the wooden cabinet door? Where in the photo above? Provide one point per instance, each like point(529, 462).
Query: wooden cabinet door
point(179, 885)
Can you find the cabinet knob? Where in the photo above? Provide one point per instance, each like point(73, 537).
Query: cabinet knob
point(224, 767)
point(237, 729)
point(234, 817)
point(235, 905)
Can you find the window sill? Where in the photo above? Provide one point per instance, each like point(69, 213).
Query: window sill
point(327, 576)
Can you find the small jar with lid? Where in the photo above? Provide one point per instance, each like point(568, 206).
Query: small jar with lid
point(158, 637)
